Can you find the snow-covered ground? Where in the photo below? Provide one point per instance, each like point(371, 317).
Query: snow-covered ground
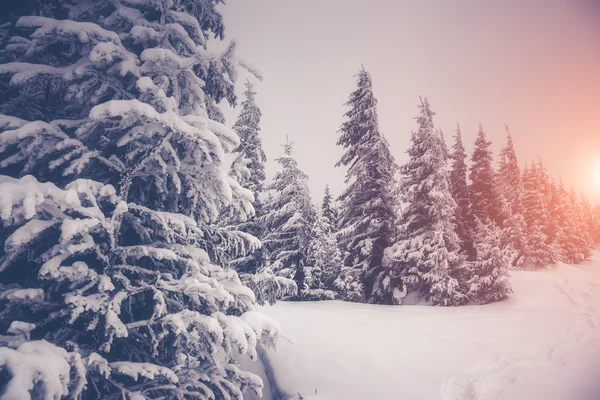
point(542, 343)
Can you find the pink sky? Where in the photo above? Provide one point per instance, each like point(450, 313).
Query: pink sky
point(532, 64)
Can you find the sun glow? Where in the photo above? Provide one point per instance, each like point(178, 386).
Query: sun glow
point(596, 176)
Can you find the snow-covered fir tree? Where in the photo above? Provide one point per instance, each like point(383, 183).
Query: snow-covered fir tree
point(587, 218)
point(508, 179)
point(579, 234)
point(126, 105)
point(247, 127)
point(426, 259)
point(565, 224)
point(128, 101)
point(123, 93)
point(288, 219)
point(367, 215)
point(324, 260)
point(460, 194)
point(596, 224)
point(535, 210)
point(143, 316)
point(509, 187)
point(329, 209)
point(483, 197)
point(514, 234)
point(249, 171)
point(555, 227)
point(489, 280)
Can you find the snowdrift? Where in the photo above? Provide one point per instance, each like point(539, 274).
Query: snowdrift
point(541, 343)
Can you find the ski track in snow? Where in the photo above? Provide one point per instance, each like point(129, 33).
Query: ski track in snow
point(487, 380)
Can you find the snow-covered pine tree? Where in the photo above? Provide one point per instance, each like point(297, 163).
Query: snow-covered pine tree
point(490, 279)
point(514, 234)
point(329, 209)
point(126, 104)
point(324, 260)
point(368, 205)
point(484, 200)
point(460, 194)
point(556, 218)
point(124, 92)
point(508, 183)
point(325, 253)
point(579, 237)
point(84, 314)
point(249, 171)
point(596, 224)
point(509, 187)
point(535, 211)
point(564, 218)
point(247, 127)
point(288, 219)
point(426, 258)
point(587, 218)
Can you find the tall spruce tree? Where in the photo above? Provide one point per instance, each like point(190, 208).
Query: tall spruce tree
point(509, 184)
point(509, 187)
point(426, 258)
point(460, 193)
point(581, 237)
point(367, 206)
point(587, 218)
point(112, 107)
point(484, 199)
point(249, 171)
point(535, 210)
point(289, 217)
point(247, 127)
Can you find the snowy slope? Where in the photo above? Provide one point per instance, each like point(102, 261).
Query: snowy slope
point(542, 343)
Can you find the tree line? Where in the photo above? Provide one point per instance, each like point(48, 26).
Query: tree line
point(443, 228)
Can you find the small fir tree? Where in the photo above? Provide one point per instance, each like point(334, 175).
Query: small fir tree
point(288, 219)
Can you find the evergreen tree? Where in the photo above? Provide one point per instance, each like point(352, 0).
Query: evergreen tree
point(288, 220)
point(587, 218)
point(535, 211)
point(249, 171)
point(144, 315)
point(556, 222)
point(509, 184)
point(367, 206)
point(580, 237)
point(324, 260)
point(111, 272)
point(130, 116)
point(574, 241)
point(460, 194)
point(514, 235)
point(490, 281)
point(329, 209)
point(426, 258)
point(484, 199)
point(247, 127)
point(509, 187)
point(596, 224)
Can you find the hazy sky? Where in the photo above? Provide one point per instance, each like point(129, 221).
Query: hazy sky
point(532, 64)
